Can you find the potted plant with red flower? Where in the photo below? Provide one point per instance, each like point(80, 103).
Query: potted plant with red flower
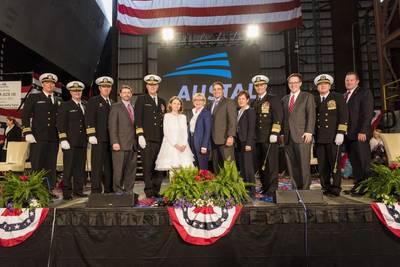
point(384, 183)
point(24, 191)
point(193, 187)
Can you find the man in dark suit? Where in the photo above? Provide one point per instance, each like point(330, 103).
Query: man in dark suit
point(199, 127)
point(121, 125)
point(39, 127)
point(98, 108)
point(150, 109)
point(331, 126)
point(71, 132)
point(298, 127)
point(361, 110)
point(223, 129)
point(268, 126)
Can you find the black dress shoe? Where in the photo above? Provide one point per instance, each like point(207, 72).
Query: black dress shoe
point(326, 192)
point(67, 197)
point(80, 194)
point(332, 194)
point(335, 193)
point(357, 194)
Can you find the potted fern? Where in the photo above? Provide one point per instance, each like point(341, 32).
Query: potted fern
point(193, 187)
point(384, 183)
point(25, 191)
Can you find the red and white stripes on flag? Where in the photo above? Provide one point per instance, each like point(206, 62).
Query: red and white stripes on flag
point(147, 16)
point(389, 216)
point(18, 225)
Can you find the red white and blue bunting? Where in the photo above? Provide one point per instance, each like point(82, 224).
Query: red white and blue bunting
point(18, 225)
point(204, 225)
point(389, 216)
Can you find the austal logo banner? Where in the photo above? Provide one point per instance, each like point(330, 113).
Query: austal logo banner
point(187, 71)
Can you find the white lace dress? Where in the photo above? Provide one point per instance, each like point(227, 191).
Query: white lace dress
point(175, 132)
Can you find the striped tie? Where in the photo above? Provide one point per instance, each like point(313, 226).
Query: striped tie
point(291, 104)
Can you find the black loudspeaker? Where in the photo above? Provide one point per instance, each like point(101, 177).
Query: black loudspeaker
point(112, 200)
point(308, 196)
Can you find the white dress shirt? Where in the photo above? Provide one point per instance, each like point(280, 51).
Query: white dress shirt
point(192, 123)
point(79, 104)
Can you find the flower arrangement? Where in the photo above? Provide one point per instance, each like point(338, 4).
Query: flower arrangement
point(384, 183)
point(192, 187)
point(25, 191)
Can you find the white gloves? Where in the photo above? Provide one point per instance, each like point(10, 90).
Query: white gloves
point(93, 140)
point(65, 145)
point(339, 139)
point(142, 142)
point(273, 138)
point(30, 138)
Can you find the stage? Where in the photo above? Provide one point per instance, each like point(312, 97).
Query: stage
point(342, 232)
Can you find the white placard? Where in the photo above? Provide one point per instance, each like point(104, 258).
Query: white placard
point(10, 94)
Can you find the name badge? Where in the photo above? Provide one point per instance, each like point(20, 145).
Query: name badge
point(41, 102)
point(331, 104)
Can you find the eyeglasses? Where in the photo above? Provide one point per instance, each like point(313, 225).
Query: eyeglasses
point(293, 82)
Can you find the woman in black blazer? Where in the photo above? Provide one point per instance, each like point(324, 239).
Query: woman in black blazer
point(245, 139)
point(13, 133)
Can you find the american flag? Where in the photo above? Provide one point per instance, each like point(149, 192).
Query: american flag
point(147, 16)
point(32, 88)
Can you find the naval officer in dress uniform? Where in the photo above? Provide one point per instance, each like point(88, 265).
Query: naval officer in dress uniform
point(150, 109)
point(39, 127)
point(268, 126)
point(98, 109)
point(331, 126)
point(72, 135)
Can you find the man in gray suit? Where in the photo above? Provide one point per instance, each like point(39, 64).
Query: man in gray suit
point(121, 125)
point(223, 130)
point(298, 127)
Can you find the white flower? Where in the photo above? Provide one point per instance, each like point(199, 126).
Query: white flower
point(33, 203)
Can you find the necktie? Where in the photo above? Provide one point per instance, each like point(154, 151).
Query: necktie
point(323, 99)
point(291, 104)
point(346, 96)
point(51, 98)
point(214, 106)
point(155, 100)
point(108, 102)
point(81, 108)
point(130, 111)
point(240, 114)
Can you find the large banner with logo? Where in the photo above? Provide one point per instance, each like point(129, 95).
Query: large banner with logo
point(187, 71)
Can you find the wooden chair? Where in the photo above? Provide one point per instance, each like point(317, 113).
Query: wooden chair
point(391, 141)
point(17, 153)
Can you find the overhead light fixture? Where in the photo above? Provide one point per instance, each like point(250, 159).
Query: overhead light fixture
point(168, 34)
point(253, 31)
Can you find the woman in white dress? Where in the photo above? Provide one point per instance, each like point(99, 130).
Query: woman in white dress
point(175, 151)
